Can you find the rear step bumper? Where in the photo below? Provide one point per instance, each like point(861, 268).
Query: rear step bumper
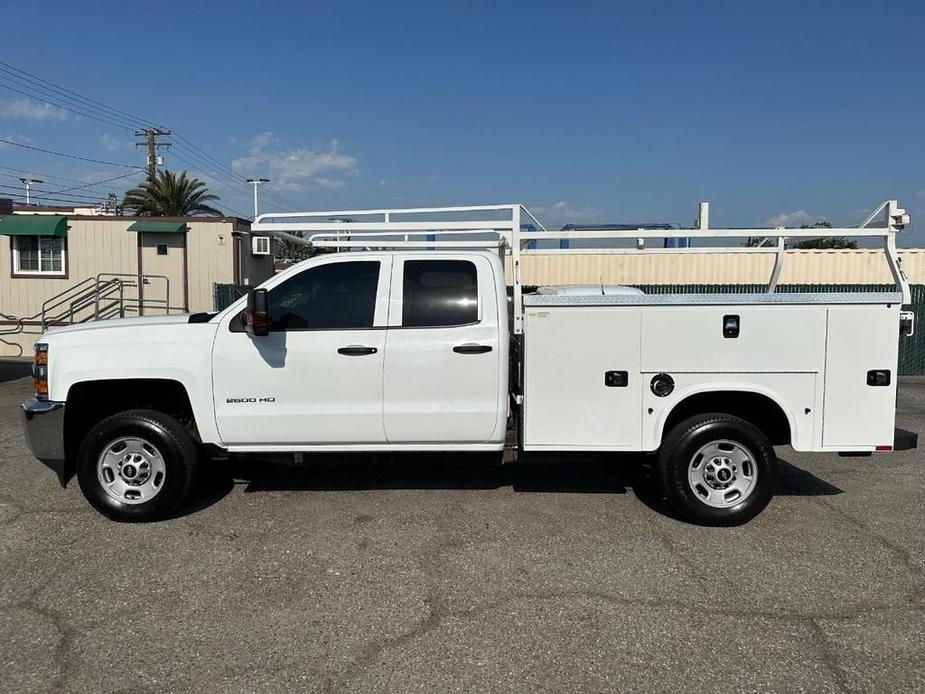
point(905, 440)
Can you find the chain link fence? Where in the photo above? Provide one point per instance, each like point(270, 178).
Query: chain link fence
point(224, 295)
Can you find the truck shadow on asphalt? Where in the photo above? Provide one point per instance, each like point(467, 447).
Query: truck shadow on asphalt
point(567, 474)
point(12, 370)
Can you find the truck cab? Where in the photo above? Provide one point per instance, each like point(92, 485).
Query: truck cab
point(365, 350)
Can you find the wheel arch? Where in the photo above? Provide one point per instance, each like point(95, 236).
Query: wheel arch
point(756, 405)
point(91, 401)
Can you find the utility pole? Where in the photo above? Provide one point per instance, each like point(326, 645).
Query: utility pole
point(28, 183)
point(153, 145)
point(256, 183)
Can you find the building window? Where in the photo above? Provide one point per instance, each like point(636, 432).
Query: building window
point(39, 255)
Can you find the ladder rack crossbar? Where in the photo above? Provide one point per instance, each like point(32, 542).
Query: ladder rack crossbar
point(338, 229)
point(387, 211)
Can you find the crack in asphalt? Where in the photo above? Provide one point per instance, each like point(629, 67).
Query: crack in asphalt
point(903, 555)
point(437, 618)
point(63, 643)
point(827, 656)
point(438, 612)
point(21, 511)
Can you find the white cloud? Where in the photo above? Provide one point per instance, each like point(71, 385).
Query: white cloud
point(296, 170)
point(793, 219)
point(113, 143)
point(27, 109)
point(562, 212)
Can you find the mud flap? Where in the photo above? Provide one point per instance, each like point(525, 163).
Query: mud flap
point(905, 440)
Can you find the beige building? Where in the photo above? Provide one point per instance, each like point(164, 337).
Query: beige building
point(53, 263)
point(861, 266)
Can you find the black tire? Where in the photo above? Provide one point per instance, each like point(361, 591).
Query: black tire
point(177, 450)
point(683, 443)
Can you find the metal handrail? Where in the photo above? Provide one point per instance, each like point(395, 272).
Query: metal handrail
point(90, 293)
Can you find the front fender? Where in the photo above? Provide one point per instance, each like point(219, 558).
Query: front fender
point(180, 353)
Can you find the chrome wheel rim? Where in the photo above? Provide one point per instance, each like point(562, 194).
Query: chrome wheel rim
point(722, 473)
point(131, 470)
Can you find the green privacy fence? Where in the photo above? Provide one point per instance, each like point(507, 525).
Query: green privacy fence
point(224, 295)
point(911, 349)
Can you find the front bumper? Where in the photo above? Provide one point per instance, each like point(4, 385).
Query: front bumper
point(43, 424)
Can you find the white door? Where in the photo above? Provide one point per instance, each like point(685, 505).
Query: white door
point(583, 386)
point(317, 377)
point(441, 378)
point(858, 411)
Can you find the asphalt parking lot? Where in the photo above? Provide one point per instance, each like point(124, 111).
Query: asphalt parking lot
point(410, 574)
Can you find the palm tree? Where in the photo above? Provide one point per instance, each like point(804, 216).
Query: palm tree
point(171, 195)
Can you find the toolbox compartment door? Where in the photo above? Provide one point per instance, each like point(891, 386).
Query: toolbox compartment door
point(582, 389)
point(860, 339)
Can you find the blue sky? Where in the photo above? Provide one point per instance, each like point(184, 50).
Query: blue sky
point(584, 111)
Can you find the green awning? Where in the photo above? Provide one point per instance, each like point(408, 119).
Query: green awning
point(33, 225)
point(159, 227)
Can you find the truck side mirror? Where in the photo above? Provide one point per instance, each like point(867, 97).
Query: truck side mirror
point(256, 316)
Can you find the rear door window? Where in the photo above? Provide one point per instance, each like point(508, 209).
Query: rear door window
point(439, 293)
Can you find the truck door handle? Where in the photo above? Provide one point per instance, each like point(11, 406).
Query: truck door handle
point(357, 350)
point(472, 349)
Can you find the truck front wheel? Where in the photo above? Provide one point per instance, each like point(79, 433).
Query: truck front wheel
point(137, 465)
point(717, 469)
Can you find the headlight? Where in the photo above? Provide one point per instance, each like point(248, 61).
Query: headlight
point(40, 371)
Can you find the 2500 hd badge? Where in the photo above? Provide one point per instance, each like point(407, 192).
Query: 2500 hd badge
point(235, 401)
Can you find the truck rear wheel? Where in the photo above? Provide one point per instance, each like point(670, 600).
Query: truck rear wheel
point(717, 469)
point(137, 465)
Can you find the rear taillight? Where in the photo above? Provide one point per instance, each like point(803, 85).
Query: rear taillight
point(40, 371)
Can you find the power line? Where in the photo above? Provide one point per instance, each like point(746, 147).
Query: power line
point(237, 212)
point(37, 173)
point(69, 94)
point(69, 156)
point(96, 183)
point(20, 197)
point(83, 184)
point(55, 179)
point(223, 173)
point(42, 192)
point(48, 101)
point(231, 172)
point(123, 119)
point(228, 181)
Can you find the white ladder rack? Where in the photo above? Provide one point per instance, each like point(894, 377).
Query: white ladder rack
point(502, 228)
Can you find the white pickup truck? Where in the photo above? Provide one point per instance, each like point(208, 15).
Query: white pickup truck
point(408, 339)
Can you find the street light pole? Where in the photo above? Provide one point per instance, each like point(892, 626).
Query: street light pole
point(28, 183)
point(256, 182)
